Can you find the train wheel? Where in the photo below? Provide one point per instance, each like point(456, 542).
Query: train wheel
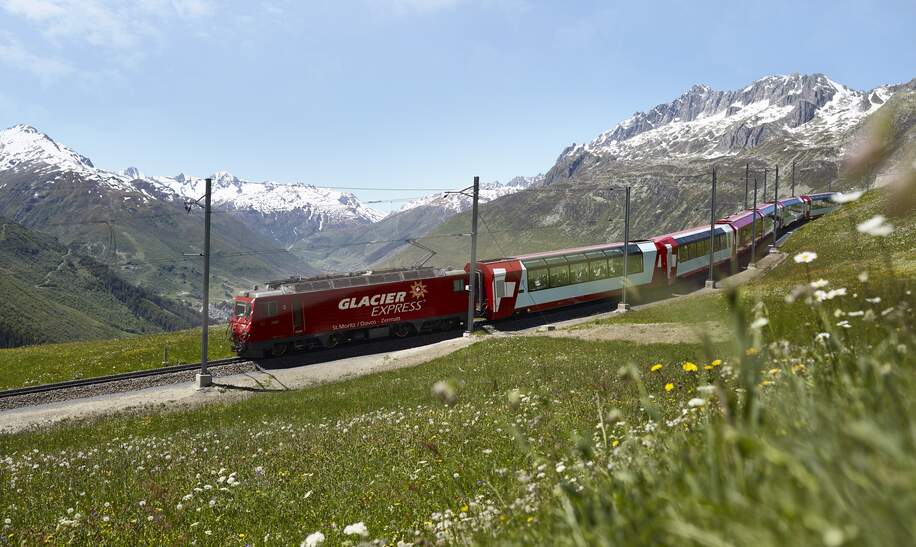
point(332, 341)
point(279, 350)
point(400, 330)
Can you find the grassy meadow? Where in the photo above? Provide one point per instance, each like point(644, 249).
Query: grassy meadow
point(798, 432)
point(30, 365)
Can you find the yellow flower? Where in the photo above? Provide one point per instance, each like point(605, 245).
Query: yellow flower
point(615, 443)
point(656, 367)
point(798, 368)
point(708, 367)
point(751, 351)
point(669, 386)
point(464, 508)
point(773, 371)
point(716, 362)
point(689, 367)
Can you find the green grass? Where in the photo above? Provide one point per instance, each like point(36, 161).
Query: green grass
point(48, 363)
point(530, 441)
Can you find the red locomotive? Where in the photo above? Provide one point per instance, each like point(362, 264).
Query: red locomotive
point(325, 311)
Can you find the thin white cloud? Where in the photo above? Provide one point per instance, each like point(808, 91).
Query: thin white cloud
point(46, 69)
point(193, 8)
point(404, 7)
point(37, 10)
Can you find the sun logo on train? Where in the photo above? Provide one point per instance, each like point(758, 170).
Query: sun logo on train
point(418, 290)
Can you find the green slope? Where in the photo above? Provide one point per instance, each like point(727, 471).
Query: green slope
point(53, 294)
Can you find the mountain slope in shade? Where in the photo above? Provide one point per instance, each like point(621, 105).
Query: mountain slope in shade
point(54, 294)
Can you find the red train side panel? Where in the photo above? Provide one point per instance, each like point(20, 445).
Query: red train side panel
point(325, 312)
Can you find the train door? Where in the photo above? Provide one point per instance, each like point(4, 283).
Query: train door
point(671, 262)
point(481, 303)
point(297, 317)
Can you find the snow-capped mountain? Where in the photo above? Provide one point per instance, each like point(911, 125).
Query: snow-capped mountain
point(303, 207)
point(459, 203)
point(706, 123)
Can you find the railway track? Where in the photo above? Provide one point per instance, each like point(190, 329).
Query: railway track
point(83, 382)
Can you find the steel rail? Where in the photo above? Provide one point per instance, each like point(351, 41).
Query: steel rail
point(42, 388)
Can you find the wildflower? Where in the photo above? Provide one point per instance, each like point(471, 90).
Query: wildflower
point(313, 540)
point(357, 529)
point(656, 367)
point(863, 276)
point(560, 468)
point(708, 367)
point(707, 389)
point(875, 300)
point(445, 391)
point(821, 336)
point(689, 367)
point(846, 197)
point(759, 323)
point(805, 257)
point(716, 362)
point(751, 351)
point(875, 226)
point(798, 367)
point(845, 324)
point(819, 284)
point(259, 470)
point(515, 397)
point(179, 506)
point(669, 386)
point(106, 518)
point(696, 402)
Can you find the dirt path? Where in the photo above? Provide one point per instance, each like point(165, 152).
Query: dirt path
point(645, 333)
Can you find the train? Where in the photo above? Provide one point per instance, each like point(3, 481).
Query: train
point(325, 311)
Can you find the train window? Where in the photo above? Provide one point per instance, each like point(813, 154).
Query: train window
point(538, 278)
point(578, 269)
point(599, 269)
point(634, 264)
point(270, 309)
point(559, 272)
point(241, 309)
point(458, 285)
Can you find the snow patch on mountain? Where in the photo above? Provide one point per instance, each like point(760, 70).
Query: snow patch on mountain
point(272, 197)
point(704, 122)
point(24, 148)
point(459, 203)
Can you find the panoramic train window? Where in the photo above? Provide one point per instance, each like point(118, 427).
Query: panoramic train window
point(597, 265)
point(578, 269)
point(559, 272)
point(538, 276)
point(635, 264)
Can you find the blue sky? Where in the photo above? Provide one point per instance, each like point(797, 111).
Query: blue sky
point(401, 93)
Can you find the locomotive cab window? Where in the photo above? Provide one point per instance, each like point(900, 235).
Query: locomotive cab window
point(242, 310)
point(458, 285)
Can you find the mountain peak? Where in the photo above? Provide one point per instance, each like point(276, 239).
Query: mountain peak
point(23, 144)
point(710, 123)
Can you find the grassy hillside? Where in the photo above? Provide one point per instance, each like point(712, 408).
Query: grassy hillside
point(150, 243)
point(52, 294)
point(798, 433)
